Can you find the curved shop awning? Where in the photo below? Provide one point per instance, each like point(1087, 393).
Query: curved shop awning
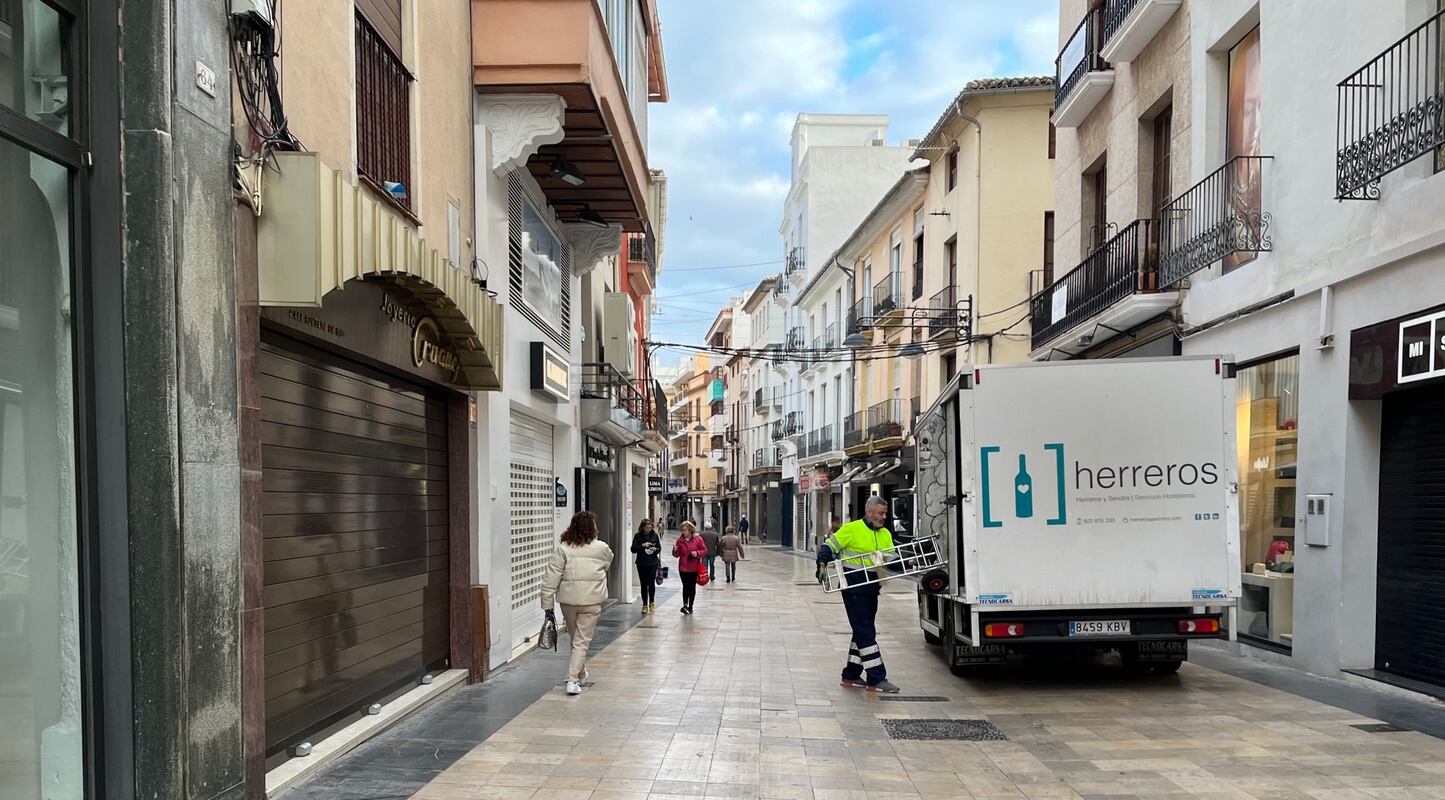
point(318, 231)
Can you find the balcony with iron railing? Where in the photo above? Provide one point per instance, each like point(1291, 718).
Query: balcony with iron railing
point(1391, 111)
point(613, 409)
point(793, 424)
point(860, 316)
point(855, 430)
point(1081, 75)
point(1130, 25)
point(777, 431)
point(1218, 219)
point(886, 295)
point(793, 264)
point(795, 341)
point(759, 399)
point(820, 442)
point(885, 422)
point(679, 460)
point(943, 314)
point(1113, 289)
point(730, 483)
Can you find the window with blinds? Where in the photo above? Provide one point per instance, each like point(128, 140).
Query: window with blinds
point(538, 266)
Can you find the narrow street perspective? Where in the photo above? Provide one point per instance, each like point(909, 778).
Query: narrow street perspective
point(741, 700)
point(479, 399)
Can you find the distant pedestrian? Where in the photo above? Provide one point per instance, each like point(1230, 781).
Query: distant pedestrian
point(743, 527)
point(576, 577)
point(648, 547)
point(671, 522)
point(730, 547)
point(710, 537)
point(690, 551)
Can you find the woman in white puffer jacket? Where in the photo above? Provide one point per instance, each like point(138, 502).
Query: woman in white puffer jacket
point(576, 577)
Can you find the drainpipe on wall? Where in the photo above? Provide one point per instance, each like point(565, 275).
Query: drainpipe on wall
point(977, 213)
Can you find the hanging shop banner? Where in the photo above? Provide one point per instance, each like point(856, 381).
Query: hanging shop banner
point(719, 391)
point(655, 484)
point(597, 455)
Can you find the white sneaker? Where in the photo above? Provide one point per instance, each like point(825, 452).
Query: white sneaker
point(573, 687)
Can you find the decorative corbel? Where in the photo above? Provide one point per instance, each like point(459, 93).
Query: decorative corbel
point(520, 125)
point(591, 244)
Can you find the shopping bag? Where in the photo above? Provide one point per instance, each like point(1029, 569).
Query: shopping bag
point(547, 638)
point(702, 576)
point(661, 575)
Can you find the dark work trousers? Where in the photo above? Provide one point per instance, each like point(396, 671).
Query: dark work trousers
point(647, 581)
point(689, 587)
point(861, 603)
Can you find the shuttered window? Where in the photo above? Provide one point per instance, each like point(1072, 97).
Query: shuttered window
point(533, 512)
point(383, 110)
point(385, 18)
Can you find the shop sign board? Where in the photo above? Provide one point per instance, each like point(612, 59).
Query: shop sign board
point(655, 484)
point(550, 373)
point(1393, 354)
point(598, 455)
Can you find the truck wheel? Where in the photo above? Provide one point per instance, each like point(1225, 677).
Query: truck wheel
point(932, 638)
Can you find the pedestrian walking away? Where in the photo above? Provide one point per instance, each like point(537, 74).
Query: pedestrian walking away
point(690, 551)
point(710, 537)
point(743, 527)
point(730, 547)
point(858, 544)
point(647, 546)
point(576, 577)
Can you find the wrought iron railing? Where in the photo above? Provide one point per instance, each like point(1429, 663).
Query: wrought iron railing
point(795, 341)
point(777, 432)
point(942, 312)
point(820, 441)
point(642, 247)
point(1219, 216)
point(794, 262)
point(1079, 57)
point(1115, 13)
point(1124, 265)
point(810, 447)
point(885, 420)
point(758, 401)
point(731, 483)
point(855, 429)
point(860, 316)
point(1390, 111)
point(383, 114)
point(793, 423)
point(885, 295)
point(602, 381)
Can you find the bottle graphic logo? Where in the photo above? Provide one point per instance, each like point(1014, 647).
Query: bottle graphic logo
point(1023, 490)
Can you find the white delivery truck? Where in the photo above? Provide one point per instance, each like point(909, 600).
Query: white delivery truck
point(1080, 504)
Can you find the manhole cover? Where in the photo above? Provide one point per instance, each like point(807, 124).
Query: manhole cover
point(913, 698)
point(932, 730)
point(1380, 727)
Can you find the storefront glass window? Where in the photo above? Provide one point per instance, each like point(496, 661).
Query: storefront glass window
point(1268, 441)
point(34, 62)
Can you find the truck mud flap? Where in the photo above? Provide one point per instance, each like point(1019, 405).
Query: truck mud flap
point(967, 655)
point(1161, 651)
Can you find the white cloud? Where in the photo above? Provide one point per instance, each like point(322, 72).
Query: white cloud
point(741, 71)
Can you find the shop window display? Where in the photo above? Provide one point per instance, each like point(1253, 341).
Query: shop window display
point(1267, 415)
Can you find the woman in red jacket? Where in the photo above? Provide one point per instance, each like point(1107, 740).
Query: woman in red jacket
point(690, 551)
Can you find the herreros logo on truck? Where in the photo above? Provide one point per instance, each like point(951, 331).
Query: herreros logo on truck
point(1093, 488)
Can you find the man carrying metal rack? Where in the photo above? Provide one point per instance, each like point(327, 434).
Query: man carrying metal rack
point(861, 545)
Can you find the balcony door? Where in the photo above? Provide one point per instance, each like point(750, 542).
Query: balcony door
point(1242, 139)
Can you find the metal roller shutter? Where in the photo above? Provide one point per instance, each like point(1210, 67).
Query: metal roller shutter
point(1410, 622)
point(355, 537)
point(533, 517)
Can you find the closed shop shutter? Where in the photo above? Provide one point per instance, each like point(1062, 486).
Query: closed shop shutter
point(1410, 622)
point(533, 517)
point(355, 537)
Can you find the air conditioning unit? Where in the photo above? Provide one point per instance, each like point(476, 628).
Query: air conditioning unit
point(619, 336)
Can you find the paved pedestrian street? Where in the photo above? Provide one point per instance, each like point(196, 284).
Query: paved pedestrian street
point(742, 700)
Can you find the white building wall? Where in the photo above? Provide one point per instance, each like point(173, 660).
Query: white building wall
point(1379, 259)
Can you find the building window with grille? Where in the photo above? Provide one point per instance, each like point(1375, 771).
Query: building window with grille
point(383, 103)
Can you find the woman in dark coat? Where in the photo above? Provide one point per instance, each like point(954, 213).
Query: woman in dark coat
point(648, 547)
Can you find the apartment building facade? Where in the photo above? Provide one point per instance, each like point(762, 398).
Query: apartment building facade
point(561, 177)
point(1321, 285)
point(763, 410)
point(824, 394)
point(841, 165)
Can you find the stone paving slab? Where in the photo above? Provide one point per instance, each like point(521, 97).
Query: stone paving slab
point(741, 700)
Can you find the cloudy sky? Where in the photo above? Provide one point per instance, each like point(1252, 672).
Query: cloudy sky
point(740, 71)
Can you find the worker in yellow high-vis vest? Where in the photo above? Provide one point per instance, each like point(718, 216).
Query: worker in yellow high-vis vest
point(860, 545)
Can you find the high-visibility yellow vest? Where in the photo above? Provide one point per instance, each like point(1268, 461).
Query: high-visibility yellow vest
point(856, 543)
